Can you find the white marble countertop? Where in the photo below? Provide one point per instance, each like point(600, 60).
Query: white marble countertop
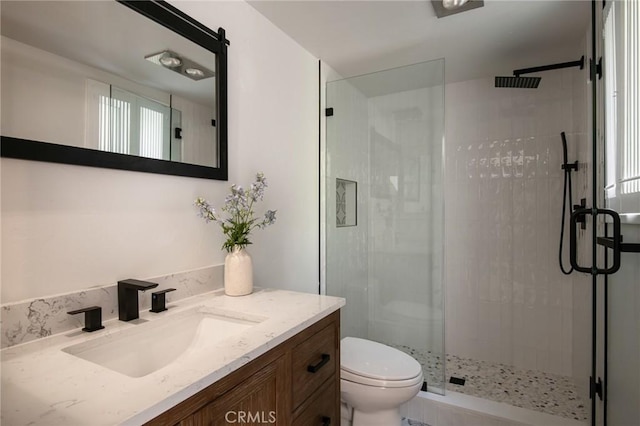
point(43, 385)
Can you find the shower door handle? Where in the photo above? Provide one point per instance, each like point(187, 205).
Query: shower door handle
point(576, 216)
point(615, 241)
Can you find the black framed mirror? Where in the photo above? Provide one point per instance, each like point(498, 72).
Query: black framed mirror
point(130, 85)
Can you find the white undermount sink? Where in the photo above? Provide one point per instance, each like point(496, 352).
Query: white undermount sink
point(148, 347)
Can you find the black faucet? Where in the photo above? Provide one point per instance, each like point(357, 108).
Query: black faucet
point(92, 318)
point(128, 297)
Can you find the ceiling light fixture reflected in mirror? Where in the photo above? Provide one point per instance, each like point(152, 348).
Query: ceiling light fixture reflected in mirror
point(449, 7)
point(453, 4)
point(194, 72)
point(178, 63)
point(170, 61)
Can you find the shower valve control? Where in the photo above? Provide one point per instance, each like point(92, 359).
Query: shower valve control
point(582, 219)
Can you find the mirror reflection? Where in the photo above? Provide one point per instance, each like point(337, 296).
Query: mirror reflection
point(98, 75)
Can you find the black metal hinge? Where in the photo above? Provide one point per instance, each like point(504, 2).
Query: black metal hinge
point(328, 112)
point(624, 247)
point(177, 133)
point(599, 68)
point(596, 69)
point(595, 388)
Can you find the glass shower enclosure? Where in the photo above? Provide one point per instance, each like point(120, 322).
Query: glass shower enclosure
point(384, 207)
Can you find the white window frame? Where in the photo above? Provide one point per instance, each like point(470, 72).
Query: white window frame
point(622, 107)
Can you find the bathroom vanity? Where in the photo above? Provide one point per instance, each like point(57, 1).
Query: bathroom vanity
point(295, 383)
point(268, 358)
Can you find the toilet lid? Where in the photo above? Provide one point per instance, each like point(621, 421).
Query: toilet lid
point(377, 361)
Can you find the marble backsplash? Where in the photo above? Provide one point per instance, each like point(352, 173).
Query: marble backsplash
point(28, 320)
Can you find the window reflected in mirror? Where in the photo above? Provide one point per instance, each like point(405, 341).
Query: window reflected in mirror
point(127, 123)
point(98, 75)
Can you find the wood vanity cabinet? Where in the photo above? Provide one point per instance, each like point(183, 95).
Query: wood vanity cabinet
point(296, 383)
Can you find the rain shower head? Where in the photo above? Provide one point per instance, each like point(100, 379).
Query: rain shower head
point(518, 82)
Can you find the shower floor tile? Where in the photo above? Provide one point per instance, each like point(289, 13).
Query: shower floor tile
point(535, 390)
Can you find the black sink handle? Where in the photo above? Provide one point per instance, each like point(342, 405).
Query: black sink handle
point(158, 300)
point(92, 318)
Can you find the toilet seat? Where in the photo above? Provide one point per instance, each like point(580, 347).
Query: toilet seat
point(367, 381)
point(374, 364)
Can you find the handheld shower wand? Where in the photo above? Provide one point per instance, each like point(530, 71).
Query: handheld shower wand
point(568, 168)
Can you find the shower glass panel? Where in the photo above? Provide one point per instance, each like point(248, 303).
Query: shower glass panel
point(386, 135)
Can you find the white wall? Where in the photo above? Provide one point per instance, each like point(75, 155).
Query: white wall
point(67, 228)
point(507, 301)
point(624, 344)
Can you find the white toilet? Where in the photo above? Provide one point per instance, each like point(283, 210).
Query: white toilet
point(375, 380)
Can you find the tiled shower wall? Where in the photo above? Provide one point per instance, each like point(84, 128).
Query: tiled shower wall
point(506, 299)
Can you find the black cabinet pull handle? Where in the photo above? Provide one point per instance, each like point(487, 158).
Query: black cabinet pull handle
point(326, 421)
point(318, 366)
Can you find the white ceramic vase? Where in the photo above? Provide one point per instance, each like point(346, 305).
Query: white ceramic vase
point(238, 273)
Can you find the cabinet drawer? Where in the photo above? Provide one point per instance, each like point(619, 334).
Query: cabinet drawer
point(313, 362)
point(321, 409)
